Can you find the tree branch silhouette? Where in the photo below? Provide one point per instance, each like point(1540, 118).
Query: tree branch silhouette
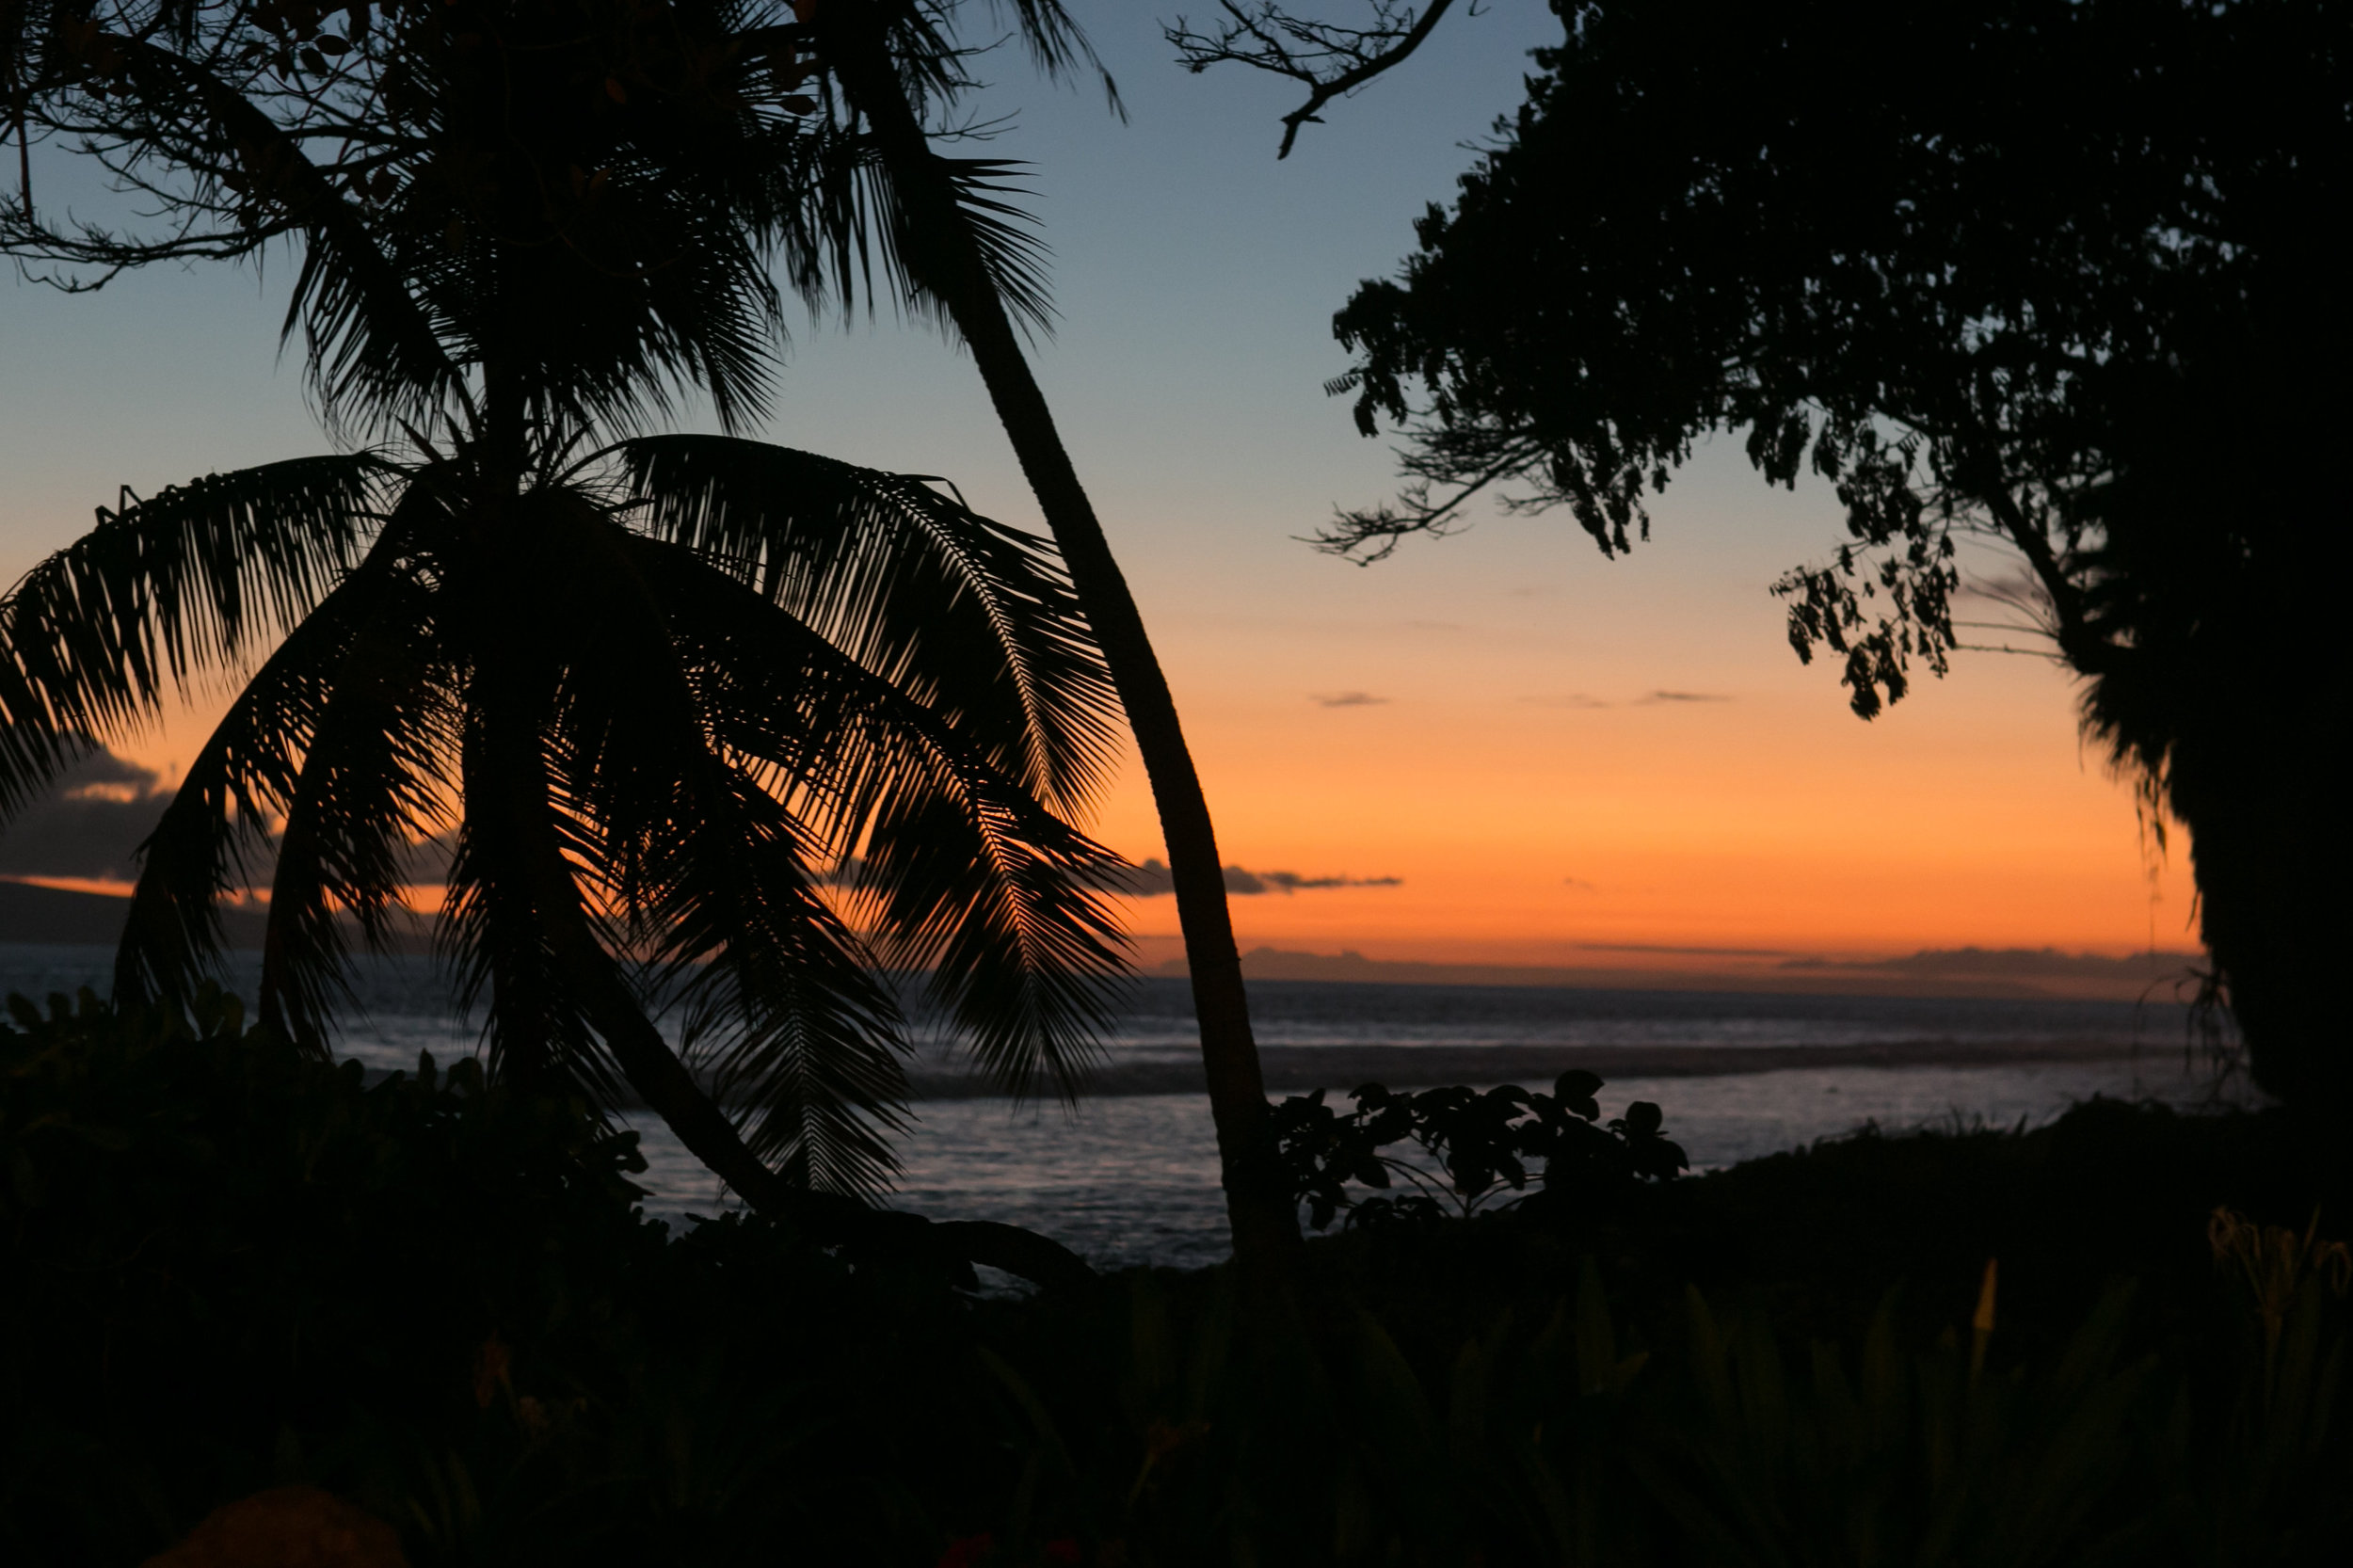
point(1328, 59)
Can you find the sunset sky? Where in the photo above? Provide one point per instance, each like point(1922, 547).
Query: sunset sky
point(1560, 760)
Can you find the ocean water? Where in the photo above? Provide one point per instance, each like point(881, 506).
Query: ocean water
point(1128, 1175)
point(1159, 1023)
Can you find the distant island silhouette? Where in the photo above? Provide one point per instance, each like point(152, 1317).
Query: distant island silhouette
point(30, 912)
point(1968, 971)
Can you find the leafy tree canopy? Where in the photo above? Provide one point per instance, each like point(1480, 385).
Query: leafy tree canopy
point(2059, 276)
point(1952, 256)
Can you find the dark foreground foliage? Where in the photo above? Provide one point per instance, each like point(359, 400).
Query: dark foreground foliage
point(1479, 1151)
point(229, 1266)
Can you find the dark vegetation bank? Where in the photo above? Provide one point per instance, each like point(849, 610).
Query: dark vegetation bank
point(233, 1268)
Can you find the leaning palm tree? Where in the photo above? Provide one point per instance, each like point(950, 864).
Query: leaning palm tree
point(664, 688)
point(890, 58)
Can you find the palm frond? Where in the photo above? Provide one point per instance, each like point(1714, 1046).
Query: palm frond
point(962, 871)
point(511, 899)
point(970, 618)
point(935, 217)
point(994, 902)
point(663, 284)
point(1055, 41)
point(816, 208)
point(219, 824)
point(1002, 233)
point(774, 996)
point(197, 577)
point(371, 777)
point(923, 38)
point(371, 341)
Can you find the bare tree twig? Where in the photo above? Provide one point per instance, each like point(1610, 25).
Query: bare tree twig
point(1330, 60)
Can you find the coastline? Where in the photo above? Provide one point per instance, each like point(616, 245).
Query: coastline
point(1297, 1069)
point(1301, 1069)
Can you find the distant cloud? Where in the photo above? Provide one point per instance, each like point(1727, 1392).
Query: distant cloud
point(1648, 699)
point(1345, 699)
point(89, 824)
point(1578, 884)
point(2016, 964)
point(96, 814)
point(1292, 882)
point(1152, 879)
point(1697, 953)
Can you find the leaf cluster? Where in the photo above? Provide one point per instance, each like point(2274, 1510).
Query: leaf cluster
point(1482, 1145)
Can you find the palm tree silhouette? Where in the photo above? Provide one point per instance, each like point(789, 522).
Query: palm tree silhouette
point(887, 56)
point(661, 685)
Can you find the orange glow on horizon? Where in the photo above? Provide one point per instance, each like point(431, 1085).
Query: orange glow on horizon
point(1773, 822)
point(1604, 832)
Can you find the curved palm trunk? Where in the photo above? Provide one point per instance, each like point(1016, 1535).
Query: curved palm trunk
point(944, 253)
